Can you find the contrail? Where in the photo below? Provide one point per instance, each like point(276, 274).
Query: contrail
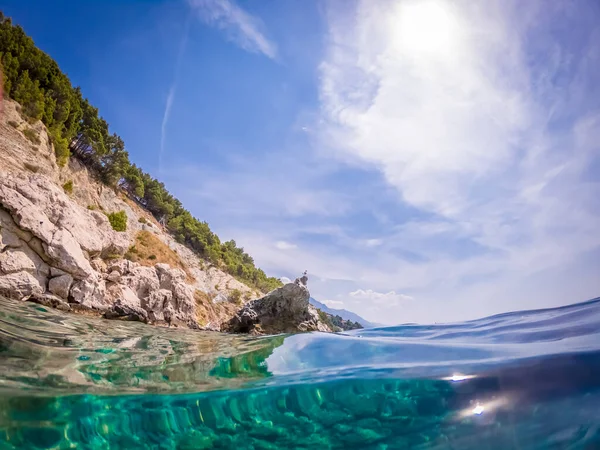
point(172, 89)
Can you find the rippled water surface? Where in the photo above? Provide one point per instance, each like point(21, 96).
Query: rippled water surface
point(523, 380)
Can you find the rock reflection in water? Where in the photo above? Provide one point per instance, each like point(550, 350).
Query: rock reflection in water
point(45, 348)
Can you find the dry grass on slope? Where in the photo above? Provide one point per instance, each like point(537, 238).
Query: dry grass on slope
point(213, 313)
point(149, 250)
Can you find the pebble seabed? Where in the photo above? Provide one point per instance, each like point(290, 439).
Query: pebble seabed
point(343, 414)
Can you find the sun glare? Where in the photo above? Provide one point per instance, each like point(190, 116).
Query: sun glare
point(425, 27)
point(478, 410)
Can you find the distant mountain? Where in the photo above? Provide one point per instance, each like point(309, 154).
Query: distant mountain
point(343, 313)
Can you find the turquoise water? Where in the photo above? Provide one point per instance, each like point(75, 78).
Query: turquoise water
point(526, 380)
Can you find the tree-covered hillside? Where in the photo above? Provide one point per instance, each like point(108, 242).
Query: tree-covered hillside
point(34, 79)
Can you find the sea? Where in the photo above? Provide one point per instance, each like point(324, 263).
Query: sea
point(521, 380)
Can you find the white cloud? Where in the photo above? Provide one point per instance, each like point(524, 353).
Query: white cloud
point(442, 99)
point(373, 242)
point(283, 245)
point(165, 121)
point(172, 90)
point(473, 192)
point(241, 27)
point(432, 122)
point(389, 299)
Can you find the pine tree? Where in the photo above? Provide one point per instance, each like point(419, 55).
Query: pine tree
point(29, 95)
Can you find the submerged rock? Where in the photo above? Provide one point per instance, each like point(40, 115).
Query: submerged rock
point(124, 311)
point(51, 301)
point(284, 310)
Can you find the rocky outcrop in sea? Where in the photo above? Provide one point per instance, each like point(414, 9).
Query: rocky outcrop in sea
point(284, 310)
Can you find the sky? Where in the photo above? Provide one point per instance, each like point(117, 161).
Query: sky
point(426, 161)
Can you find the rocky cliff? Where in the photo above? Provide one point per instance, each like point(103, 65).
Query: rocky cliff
point(57, 247)
point(56, 252)
point(57, 240)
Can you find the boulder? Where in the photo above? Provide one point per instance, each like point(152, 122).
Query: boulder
point(220, 298)
point(179, 306)
point(90, 293)
point(54, 272)
point(169, 277)
point(58, 244)
point(67, 255)
point(156, 304)
point(114, 277)
point(125, 304)
point(19, 285)
point(50, 301)
point(25, 214)
point(66, 234)
point(284, 310)
point(68, 215)
point(160, 291)
point(122, 294)
point(142, 280)
point(168, 313)
point(16, 260)
point(98, 265)
point(60, 285)
point(123, 266)
point(122, 311)
point(8, 236)
point(184, 302)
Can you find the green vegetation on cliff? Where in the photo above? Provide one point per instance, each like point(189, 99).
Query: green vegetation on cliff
point(33, 79)
point(343, 324)
point(118, 220)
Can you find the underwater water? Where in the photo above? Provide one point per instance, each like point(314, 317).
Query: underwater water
point(522, 380)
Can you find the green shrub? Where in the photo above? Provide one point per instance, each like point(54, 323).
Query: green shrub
point(142, 220)
point(13, 124)
point(152, 257)
point(235, 297)
point(68, 187)
point(32, 135)
point(92, 207)
point(325, 318)
point(130, 254)
point(118, 220)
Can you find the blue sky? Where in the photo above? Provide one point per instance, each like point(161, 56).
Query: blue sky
point(425, 161)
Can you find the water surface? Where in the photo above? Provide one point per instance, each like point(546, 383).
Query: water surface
point(523, 380)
